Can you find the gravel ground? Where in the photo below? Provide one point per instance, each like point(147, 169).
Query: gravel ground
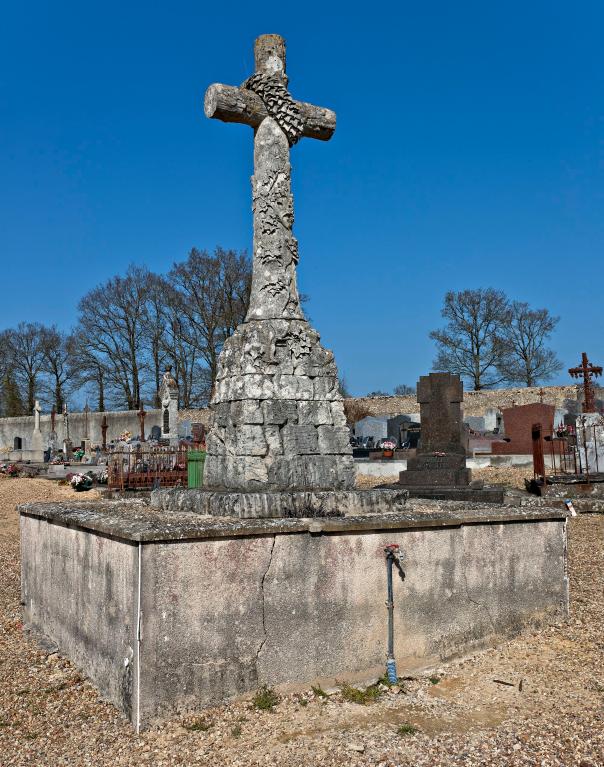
point(549, 712)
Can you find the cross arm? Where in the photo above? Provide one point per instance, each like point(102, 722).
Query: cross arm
point(238, 105)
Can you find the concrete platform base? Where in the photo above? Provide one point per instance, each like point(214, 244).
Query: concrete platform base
point(167, 612)
point(470, 494)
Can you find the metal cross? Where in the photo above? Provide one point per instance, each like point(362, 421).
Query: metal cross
point(587, 371)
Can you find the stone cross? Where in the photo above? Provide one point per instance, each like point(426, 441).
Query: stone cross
point(441, 454)
point(86, 412)
point(587, 371)
point(264, 103)
point(440, 396)
point(277, 414)
point(65, 422)
point(37, 411)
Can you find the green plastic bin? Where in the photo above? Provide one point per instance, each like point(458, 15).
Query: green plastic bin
point(195, 463)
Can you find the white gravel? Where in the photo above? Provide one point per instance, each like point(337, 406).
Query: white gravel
point(49, 715)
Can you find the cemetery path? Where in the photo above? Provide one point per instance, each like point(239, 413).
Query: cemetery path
point(537, 700)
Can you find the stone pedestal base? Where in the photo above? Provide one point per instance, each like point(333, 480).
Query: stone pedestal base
point(471, 494)
point(436, 471)
point(295, 504)
point(278, 415)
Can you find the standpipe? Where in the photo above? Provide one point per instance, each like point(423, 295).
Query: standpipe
point(393, 557)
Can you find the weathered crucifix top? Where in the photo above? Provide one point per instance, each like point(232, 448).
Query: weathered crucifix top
point(587, 371)
point(253, 101)
point(264, 103)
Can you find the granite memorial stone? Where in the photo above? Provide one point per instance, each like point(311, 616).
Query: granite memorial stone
point(438, 469)
point(441, 454)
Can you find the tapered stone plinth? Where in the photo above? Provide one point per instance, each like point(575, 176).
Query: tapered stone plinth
point(278, 416)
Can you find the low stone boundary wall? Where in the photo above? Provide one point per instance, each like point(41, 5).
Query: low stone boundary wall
point(167, 613)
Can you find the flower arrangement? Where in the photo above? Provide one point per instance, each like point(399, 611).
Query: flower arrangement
point(81, 482)
point(124, 436)
point(103, 477)
point(388, 444)
point(10, 469)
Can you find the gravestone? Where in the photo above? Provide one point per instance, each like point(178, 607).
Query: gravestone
point(438, 469)
point(441, 454)
point(277, 413)
point(518, 422)
point(590, 442)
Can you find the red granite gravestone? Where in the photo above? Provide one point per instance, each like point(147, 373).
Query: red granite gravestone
point(518, 422)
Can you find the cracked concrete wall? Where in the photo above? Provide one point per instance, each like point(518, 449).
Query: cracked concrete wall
point(202, 621)
point(79, 591)
point(222, 618)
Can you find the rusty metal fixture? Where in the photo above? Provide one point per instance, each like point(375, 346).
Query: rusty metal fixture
point(538, 459)
point(145, 469)
point(588, 372)
point(141, 419)
point(104, 427)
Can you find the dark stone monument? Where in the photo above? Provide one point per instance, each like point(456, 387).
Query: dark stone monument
point(439, 467)
point(441, 455)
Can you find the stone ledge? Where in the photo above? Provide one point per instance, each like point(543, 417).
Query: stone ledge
point(295, 503)
point(135, 522)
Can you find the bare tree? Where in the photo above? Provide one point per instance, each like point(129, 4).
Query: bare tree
point(193, 378)
point(87, 370)
point(526, 358)
point(56, 365)
point(156, 316)
point(112, 322)
point(402, 390)
point(214, 293)
point(471, 344)
point(25, 358)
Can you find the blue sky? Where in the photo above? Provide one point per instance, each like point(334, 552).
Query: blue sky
point(469, 152)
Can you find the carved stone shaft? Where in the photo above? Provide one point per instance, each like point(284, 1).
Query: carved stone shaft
point(278, 417)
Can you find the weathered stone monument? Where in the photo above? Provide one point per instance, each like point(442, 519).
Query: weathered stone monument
point(278, 416)
point(275, 573)
point(168, 394)
point(590, 443)
point(86, 442)
point(37, 445)
point(438, 469)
